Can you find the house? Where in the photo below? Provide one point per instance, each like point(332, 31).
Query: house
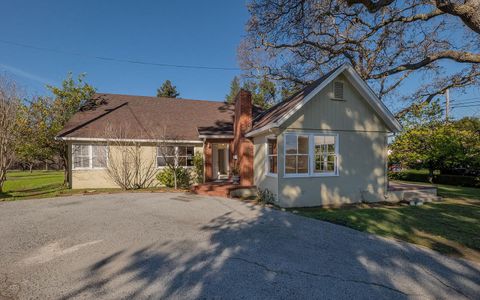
point(326, 144)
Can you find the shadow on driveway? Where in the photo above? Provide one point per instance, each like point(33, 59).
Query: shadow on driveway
point(279, 255)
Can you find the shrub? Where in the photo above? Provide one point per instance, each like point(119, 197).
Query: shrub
point(265, 196)
point(471, 181)
point(166, 177)
point(198, 167)
point(413, 175)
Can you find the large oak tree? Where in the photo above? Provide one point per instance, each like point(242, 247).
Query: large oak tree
point(386, 41)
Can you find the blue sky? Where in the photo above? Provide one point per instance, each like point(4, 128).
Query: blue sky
point(192, 32)
point(173, 32)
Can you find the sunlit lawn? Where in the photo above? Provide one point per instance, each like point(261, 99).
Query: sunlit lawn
point(451, 226)
point(22, 184)
point(42, 184)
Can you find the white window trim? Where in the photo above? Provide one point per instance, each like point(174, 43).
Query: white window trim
point(311, 155)
point(90, 158)
point(176, 156)
point(267, 156)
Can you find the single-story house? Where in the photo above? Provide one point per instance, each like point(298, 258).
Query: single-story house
point(326, 144)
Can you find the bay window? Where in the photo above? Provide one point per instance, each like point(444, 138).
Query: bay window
point(89, 156)
point(272, 156)
point(312, 154)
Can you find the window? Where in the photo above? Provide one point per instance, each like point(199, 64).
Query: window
point(296, 154)
point(272, 155)
point(89, 156)
point(338, 90)
point(311, 154)
point(325, 157)
point(175, 155)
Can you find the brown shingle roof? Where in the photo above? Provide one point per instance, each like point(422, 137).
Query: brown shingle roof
point(141, 117)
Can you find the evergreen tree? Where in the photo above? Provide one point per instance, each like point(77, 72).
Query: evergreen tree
point(234, 89)
point(263, 93)
point(168, 90)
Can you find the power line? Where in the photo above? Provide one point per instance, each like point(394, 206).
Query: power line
point(474, 98)
point(130, 61)
point(468, 105)
point(466, 102)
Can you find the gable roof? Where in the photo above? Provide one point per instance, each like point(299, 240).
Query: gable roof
point(149, 118)
point(278, 114)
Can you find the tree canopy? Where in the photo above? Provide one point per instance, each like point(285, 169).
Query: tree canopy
point(264, 91)
point(429, 142)
point(168, 90)
point(387, 42)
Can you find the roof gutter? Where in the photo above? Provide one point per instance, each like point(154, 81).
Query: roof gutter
point(80, 139)
point(261, 129)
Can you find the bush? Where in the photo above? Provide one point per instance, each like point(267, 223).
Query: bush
point(409, 176)
point(471, 181)
point(265, 197)
point(198, 166)
point(166, 177)
point(414, 175)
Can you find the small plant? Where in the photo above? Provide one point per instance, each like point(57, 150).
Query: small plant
point(198, 167)
point(265, 197)
point(166, 177)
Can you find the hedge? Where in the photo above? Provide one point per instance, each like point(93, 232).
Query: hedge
point(460, 180)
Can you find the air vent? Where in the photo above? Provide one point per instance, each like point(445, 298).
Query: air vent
point(338, 90)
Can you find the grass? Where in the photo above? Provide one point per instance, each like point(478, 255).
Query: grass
point(22, 185)
point(450, 226)
point(44, 184)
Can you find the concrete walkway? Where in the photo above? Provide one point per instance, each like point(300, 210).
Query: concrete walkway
point(148, 245)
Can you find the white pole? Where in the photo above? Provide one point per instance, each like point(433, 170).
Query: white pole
point(447, 104)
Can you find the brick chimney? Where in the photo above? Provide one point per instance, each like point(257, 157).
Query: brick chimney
point(242, 146)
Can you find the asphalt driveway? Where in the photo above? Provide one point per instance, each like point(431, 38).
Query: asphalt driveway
point(149, 245)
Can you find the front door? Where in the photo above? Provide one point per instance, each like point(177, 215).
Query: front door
point(220, 161)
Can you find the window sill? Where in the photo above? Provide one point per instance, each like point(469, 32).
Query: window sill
point(310, 175)
point(272, 175)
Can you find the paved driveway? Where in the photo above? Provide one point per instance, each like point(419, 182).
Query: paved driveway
point(148, 245)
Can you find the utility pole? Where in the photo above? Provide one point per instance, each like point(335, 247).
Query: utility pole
point(447, 104)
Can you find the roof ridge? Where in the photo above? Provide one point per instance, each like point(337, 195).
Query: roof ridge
point(163, 98)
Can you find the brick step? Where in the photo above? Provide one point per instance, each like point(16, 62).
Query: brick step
point(223, 190)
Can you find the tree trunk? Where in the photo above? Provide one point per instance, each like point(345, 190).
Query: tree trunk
point(430, 175)
point(175, 178)
point(30, 168)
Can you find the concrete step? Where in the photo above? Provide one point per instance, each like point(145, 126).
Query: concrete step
point(420, 194)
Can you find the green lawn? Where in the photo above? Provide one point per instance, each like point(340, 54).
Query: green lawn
point(21, 184)
point(41, 184)
point(451, 227)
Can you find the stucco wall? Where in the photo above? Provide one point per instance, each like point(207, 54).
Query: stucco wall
point(361, 158)
point(99, 178)
point(261, 179)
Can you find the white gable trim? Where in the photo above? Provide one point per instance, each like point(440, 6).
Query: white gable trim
point(358, 83)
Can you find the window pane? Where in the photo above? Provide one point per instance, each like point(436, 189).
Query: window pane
point(318, 163)
point(189, 162)
point(166, 150)
point(272, 163)
point(182, 151)
point(190, 151)
point(290, 164)
point(182, 161)
point(302, 164)
point(99, 156)
point(291, 144)
point(272, 146)
point(161, 161)
point(302, 144)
